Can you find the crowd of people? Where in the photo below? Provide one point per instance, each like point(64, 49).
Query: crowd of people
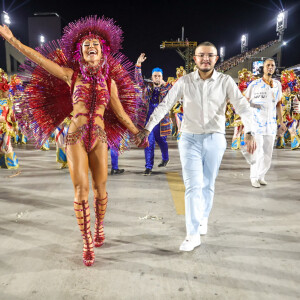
point(288, 136)
point(235, 60)
point(87, 92)
point(85, 78)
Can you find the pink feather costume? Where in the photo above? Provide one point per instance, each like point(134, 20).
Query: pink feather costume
point(47, 100)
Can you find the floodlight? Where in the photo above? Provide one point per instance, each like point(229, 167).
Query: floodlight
point(222, 51)
point(281, 24)
point(280, 17)
point(244, 42)
point(5, 18)
point(42, 39)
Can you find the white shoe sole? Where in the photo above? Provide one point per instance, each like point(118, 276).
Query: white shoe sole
point(181, 248)
point(189, 249)
point(203, 232)
point(255, 186)
point(263, 183)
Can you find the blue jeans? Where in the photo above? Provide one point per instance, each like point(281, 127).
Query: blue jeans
point(201, 156)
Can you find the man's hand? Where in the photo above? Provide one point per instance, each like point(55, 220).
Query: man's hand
point(141, 59)
point(142, 134)
point(141, 138)
point(250, 143)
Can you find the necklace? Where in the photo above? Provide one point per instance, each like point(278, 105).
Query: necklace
point(268, 83)
point(92, 73)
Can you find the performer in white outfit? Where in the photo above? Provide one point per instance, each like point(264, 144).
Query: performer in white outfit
point(264, 95)
point(202, 143)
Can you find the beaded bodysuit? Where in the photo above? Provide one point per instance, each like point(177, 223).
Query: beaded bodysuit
point(93, 98)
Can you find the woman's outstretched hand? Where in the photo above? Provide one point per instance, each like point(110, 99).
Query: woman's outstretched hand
point(5, 32)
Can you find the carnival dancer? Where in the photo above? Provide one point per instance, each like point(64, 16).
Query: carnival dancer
point(264, 95)
point(114, 156)
point(16, 90)
point(178, 112)
point(178, 107)
point(115, 163)
point(290, 89)
point(8, 126)
point(46, 146)
point(153, 94)
point(61, 133)
point(245, 78)
point(102, 98)
point(202, 143)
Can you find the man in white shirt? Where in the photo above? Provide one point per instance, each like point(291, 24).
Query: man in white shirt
point(202, 143)
point(264, 95)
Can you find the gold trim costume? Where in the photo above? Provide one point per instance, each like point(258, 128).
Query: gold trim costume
point(290, 96)
point(233, 119)
point(177, 110)
point(61, 133)
point(8, 126)
point(16, 92)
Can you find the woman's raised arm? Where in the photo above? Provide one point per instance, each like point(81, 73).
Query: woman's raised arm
point(50, 66)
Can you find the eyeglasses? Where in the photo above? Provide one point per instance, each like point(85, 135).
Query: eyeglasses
point(209, 55)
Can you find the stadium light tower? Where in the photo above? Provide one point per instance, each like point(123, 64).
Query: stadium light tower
point(244, 43)
point(222, 53)
point(5, 19)
point(281, 24)
point(42, 40)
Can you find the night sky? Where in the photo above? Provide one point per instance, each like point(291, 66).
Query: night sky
point(147, 23)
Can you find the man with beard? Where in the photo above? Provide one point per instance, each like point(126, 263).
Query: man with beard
point(153, 93)
point(202, 143)
point(265, 98)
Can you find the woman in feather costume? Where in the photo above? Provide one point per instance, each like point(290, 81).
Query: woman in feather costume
point(83, 73)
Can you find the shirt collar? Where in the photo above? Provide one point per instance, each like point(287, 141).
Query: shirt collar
point(213, 76)
point(196, 75)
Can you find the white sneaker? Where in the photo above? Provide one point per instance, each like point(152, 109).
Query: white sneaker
point(190, 242)
point(255, 183)
point(262, 181)
point(203, 226)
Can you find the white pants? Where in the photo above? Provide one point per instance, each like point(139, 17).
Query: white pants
point(264, 150)
point(201, 156)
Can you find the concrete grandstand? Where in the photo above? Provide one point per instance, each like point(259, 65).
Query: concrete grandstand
point(232, 65)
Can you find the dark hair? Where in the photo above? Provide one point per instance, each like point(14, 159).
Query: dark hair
point(209, 44)
point(272, 59)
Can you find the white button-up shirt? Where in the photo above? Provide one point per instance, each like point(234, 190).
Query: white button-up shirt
point(204, 103)
point(266, 99)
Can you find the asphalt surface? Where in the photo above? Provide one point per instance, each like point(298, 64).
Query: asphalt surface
point(251, 251)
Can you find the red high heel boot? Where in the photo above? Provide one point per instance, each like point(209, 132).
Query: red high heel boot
point(82, 212)
point(100, 209)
